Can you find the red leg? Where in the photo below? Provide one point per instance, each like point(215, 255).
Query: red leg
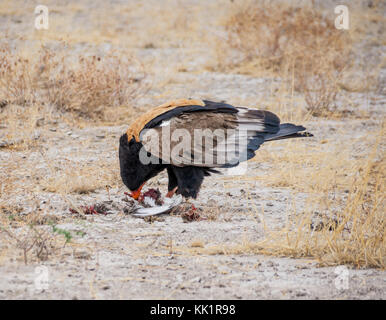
point(171, 193)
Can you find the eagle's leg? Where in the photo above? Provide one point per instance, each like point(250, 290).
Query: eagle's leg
point(171, 193)
point(172, 184)
point(189, 180)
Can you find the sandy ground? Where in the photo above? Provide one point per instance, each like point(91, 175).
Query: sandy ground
point(118, 256)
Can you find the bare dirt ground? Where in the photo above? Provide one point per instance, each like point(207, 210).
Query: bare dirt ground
point(67, 164)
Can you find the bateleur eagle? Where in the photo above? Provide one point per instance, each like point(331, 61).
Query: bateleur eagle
point(210, 135)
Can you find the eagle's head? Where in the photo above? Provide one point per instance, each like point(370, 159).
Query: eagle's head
point(134, 173)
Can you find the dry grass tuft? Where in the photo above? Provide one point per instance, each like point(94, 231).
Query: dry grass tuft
point(20, 126)
point(272, 34)
point(197, 244)
point(298, 44)
point(85, 85)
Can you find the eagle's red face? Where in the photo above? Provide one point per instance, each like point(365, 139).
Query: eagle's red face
point(136, 193)
point(185, 173)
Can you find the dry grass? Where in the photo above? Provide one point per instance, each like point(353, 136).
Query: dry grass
point(300, 44)
point(75, 178)
point(343, 219)
point(271, 34)
point(21, 126)
point(84, 85)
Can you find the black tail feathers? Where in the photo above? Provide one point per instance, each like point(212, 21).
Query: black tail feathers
point(287, 131)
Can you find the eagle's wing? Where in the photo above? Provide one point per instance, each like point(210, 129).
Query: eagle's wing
point(212, 137)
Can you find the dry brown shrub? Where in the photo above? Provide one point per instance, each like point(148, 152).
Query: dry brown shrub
point(86, 85)
point(298, 44)
point(16, 83)
point(275, 32)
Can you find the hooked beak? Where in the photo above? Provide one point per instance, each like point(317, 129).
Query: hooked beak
point(135, 194)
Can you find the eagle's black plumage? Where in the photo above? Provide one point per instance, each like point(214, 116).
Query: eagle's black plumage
point(187, 177)
point(133, 172)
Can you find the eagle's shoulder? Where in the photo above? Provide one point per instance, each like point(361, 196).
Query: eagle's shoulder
point(135, 129)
